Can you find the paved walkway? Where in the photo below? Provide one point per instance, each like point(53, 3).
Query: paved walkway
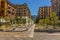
point(28, 33)
point(24, 36)
point(46, 36)
point(37, 36)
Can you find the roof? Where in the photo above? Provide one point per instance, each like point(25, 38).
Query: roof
point(13, 5)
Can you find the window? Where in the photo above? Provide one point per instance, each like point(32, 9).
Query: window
point(2, 11)
point(2, 2)
point(24, 8)
point(8, 7)
point(20, 8)
point(18, 14)
point(24, 11)
point(12, 13)
point(9, 12)
point(13, 9)
point(2, 5)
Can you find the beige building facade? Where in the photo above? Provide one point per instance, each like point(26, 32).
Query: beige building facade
point(23, 10)
point(44, 12)
point(56, 7)
point(12, 10)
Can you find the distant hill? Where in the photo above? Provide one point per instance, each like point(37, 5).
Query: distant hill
point(34, 17)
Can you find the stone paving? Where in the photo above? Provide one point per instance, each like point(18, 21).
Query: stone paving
point(37, 36)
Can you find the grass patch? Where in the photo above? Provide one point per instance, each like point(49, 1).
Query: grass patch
point(40, 26)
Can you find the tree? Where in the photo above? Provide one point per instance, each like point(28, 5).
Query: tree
point(47, 21)
point(23, 20)
point(53, 19)
point(41, 22)
point(18, 20)
point(1, 22)
point(7, 19)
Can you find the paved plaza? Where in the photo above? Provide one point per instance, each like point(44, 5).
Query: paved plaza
point(37, 36)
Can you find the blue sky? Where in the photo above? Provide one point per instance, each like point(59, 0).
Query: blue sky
point(33, 4)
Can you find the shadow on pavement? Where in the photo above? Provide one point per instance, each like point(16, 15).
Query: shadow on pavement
point(47, 30)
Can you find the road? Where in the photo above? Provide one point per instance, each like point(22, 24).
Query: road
point(37, 36)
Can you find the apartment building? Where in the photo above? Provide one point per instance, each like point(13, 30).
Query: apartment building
point(23, 10)
point(2, 7)
point(44, 12)
point(12, 10)
point(56, 7)
point(7, 9)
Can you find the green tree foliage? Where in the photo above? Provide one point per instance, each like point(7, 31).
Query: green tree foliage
point(24, 21)
point(17, 20)
point(41, 22)
point(47, 21)
point(53, 19)
point(7, 19)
